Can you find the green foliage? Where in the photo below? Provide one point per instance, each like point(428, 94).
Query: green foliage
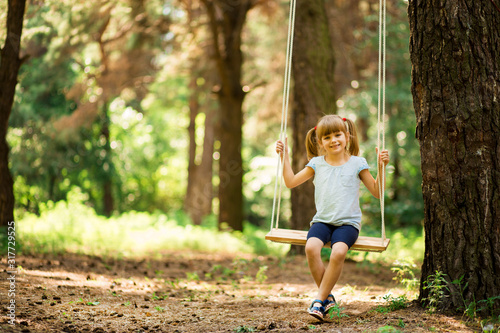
point(336, 312)
point(396, 303)
point(388, 329)
point(437, 287)
point(405, 243)
point(393, 304)
point(72, 226)
point(261, 276)
point(472, 308)
point(490, 327)
point(405, 273)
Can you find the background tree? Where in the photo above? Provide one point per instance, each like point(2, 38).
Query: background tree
point(313, 95)
point(455, 52)
point(202, 114)
point(226, 21)
point(10, 62)
point(68, 89)
point(126, 35)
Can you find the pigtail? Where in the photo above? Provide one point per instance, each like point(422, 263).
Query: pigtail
point(353, 146)
point(311, 144)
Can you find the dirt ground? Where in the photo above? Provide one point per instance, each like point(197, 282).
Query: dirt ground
point(199, 292)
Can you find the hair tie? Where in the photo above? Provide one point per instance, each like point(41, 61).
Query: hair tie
point(344, 119)
point(315, 127)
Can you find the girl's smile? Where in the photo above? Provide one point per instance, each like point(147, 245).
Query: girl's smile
point(334, 143)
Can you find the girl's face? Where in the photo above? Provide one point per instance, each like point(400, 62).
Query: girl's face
point(334, 143)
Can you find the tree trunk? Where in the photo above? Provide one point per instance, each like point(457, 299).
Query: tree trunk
point(314, 95)
point(199, 194)
point(226, 20)
point(9, 68)
point(455, 53)
point(194, 107)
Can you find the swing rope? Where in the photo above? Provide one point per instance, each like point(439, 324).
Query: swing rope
point(380, 111)
point(284, 113)
point(381, 105)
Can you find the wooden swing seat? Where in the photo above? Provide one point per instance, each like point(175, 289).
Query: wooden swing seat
point(299, 237)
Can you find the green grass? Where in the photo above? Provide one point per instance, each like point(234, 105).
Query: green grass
point(405, 243)
point(71, 226)
point(74, 227)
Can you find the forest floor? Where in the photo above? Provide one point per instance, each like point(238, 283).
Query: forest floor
point(199, 292)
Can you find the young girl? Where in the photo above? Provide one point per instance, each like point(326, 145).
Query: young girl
point(332, 149)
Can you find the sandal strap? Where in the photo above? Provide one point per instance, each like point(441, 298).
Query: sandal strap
point(318, 308)
point(317, 301)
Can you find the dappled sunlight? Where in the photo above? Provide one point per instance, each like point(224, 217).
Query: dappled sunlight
point(190, 291)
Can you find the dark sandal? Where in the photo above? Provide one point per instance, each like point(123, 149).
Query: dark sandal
point(329, 304)
point(316, 311)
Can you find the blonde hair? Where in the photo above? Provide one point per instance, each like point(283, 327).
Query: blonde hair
point(332, 124)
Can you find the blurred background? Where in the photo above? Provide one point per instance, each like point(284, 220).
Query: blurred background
point(117, 127)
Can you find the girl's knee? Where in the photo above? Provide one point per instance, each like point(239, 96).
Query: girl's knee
point(313, 247)
point(339, 252)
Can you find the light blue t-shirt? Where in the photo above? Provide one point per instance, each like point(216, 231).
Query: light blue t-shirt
point(336, 192)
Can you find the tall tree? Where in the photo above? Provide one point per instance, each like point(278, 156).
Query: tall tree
point(126, 35)
point(313, 95)
point(10, 62)
point(455, 53)
point(199, 192)
point(226, 21)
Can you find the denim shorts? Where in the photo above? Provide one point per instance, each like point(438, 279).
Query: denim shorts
point(330, 233)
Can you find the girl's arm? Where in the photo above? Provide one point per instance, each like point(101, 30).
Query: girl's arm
point(366, 177)
point(291, 179)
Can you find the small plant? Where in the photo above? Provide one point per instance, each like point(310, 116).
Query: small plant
point(192, 276)
point(173, 284)
point(437, 286)
point(155, 297)
point(405, 275)
point(393, 304)
point(261, 276)
point(387, 329)
point(396, 303)
point(244, 329)
point(67, 317)
point(489, 328)
point(401, 323)
point(490, 304)
point(159, 309)
point(336, 312)
point(472, 308)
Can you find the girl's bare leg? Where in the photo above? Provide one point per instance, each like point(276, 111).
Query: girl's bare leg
point(332, 272)
point(313, 253)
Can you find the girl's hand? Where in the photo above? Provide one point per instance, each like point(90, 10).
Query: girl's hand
point(282, 148)
point(382, 157)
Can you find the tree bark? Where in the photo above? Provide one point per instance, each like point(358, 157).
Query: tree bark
point(313, 68)
point(226, 20)
point(199, 194)
point(10, 62)
point(455, 53)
